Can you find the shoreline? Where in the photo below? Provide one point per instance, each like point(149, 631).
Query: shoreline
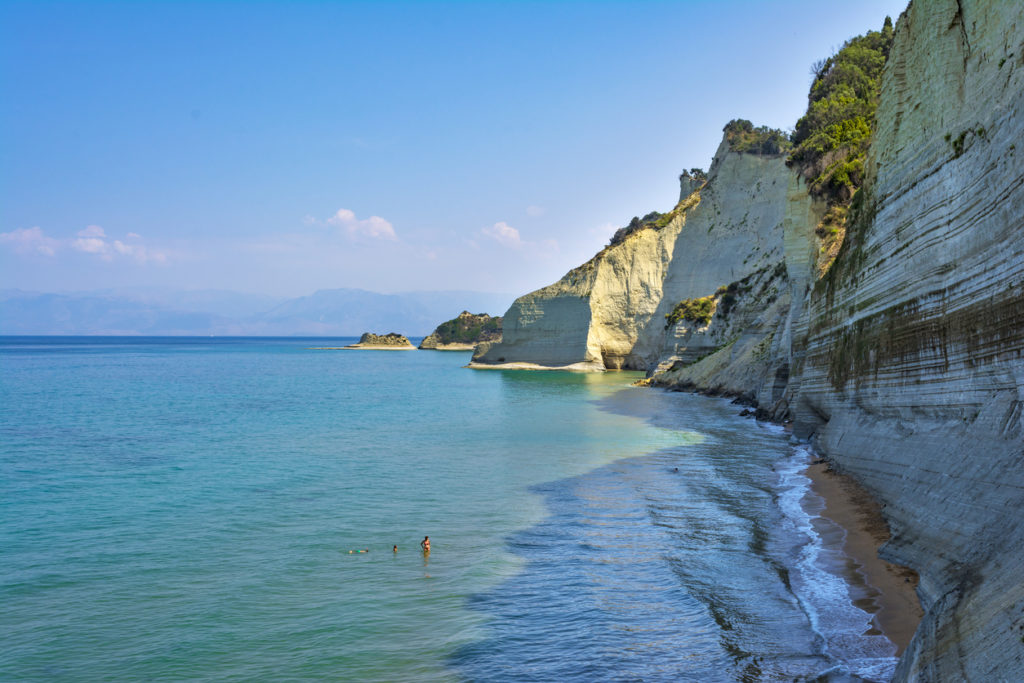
point(363, 347)
point(448, 347)
point(882, 589)
point(574, 367)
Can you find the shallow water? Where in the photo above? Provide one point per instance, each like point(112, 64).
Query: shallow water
point(184, 508)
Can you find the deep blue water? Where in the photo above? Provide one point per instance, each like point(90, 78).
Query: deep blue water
point(184, 509)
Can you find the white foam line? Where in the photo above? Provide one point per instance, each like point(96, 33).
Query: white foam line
point(824, 596)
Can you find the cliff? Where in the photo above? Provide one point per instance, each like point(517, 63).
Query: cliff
point(610, 313)
point(913, 373)
point(463, 332)
point(903, 361)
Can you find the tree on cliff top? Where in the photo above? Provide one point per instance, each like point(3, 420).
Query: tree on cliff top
point(742, 136)
point(831, 140)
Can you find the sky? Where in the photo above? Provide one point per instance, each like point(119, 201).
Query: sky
point(286, 147)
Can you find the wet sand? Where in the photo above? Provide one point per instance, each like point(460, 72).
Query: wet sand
point(853, 523)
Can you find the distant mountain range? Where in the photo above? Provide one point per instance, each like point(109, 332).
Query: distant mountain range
point(158, 311)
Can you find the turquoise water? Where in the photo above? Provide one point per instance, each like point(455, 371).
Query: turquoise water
point(184, 509)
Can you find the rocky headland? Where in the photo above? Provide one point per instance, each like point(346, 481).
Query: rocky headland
point(864, 281)
point(383, 342)
point(464, 333)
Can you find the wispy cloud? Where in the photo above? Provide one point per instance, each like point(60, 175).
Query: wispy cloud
point(30, 241)
point(534, 211)
point(372, 228)
point(505, 235)
point(90, 240)
point(508, 237)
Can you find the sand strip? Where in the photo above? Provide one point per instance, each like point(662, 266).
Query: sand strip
point(575, 367)
point(361, 347)
point(884, 590)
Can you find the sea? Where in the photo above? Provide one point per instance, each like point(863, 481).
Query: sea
point(228, 509)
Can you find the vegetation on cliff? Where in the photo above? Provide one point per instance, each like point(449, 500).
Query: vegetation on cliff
point(694, 175)
point(831, 140)
point(655, 220)
point(699, 311)
point(744, 137)
point(466, 328)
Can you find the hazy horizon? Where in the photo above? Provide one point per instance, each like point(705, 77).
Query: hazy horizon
point(155, 311)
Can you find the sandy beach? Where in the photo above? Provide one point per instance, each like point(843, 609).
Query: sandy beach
point(362, 347)
point(853, 523)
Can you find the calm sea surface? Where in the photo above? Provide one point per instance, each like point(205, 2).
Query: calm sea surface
point(185, 509)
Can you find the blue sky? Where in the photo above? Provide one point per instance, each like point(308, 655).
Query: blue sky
point(287, 147)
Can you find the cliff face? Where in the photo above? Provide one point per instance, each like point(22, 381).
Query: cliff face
point(904, 363)
point(914, 371)
point(610, 313)
point(758, 330)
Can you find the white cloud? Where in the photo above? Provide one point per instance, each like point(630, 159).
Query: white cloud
point(91, 240)
point(92, 231)
point(138, 252)
point(91, 245)
point(533, 211)
point(30, 241)
point(373, 227)
point(508, 237)
point(505, 235)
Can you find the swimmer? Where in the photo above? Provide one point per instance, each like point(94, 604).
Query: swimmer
point(425, 544)
point(394, 549)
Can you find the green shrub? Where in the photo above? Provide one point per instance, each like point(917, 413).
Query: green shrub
point(695, 310)
point(742, 136)
point(467, 329)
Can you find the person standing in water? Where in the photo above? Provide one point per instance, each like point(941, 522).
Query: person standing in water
point(425, 544)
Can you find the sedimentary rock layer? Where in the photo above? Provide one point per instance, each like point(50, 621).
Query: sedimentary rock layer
point(913, 373)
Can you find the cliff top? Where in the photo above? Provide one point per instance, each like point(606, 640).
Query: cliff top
point(467, 328)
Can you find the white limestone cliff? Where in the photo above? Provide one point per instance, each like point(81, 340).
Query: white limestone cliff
point(610, 312)
point(904, 364)
point(914, 370)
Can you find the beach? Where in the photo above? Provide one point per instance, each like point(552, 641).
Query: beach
point(853, 524)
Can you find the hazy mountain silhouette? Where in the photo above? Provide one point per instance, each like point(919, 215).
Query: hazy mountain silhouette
point(160, 311)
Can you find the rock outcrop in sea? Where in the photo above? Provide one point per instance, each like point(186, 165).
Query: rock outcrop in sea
point(902, 360)
point(391, 340)
point(464, 332)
